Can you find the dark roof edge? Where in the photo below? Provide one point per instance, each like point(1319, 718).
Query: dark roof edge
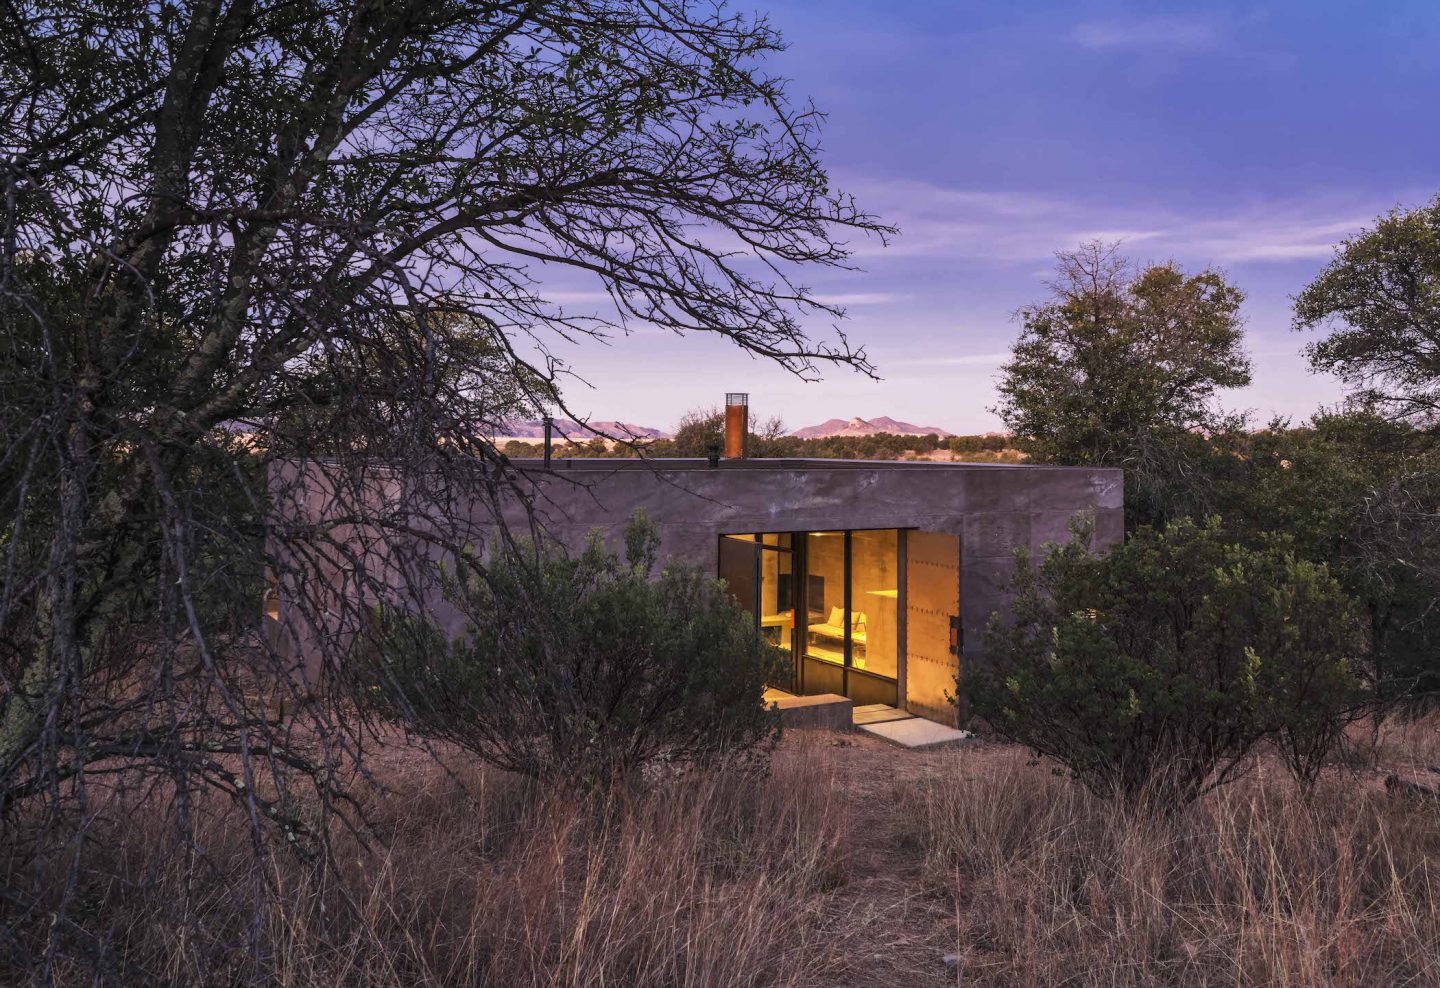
point(568, 463)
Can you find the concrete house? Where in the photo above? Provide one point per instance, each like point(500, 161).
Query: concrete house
point(876, 577)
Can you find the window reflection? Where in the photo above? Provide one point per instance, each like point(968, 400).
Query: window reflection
point(777, 590)
point(825, 597)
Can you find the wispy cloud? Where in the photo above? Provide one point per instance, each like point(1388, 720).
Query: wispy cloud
point(1275, 238)
point(958, 360)
point(979, 225)
point(1185, 33)
point(988, 227)
point(859, 298)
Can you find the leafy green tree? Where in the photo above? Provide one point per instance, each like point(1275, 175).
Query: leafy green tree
point(1120, 368)
point(581, 670)
point(1356, 490)
point(1380, 299)
point(700, 432)
point(1153, 671)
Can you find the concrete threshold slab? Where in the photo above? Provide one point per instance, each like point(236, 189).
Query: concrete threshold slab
point(827, 711)
point(879, 713)
point(916, 732)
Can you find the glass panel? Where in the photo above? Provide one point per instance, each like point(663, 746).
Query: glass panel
point(825, 597)
point(875, 601)
point(777, 590)
point(737, 569)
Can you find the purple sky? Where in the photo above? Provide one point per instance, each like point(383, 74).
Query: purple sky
point(1246, 137)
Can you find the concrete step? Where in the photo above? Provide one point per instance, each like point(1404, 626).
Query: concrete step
point(916, 732)
point(824, 711)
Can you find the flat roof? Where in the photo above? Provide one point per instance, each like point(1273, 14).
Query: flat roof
point(791, 463)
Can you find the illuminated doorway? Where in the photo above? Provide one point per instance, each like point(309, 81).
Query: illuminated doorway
point(834, 601)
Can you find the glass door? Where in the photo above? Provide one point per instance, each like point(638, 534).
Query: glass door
point(760, 573)
point(832, 601)
point(874, 667)
point(852, 615)
point(778, 592)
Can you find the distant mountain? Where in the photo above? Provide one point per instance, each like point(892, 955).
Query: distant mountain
point(534, 429)
point(866, 427)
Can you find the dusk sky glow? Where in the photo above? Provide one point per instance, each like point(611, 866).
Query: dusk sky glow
point(1248, 137)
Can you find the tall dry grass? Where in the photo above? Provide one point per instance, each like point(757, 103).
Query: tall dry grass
point(713, 878)
point(705, 879)
point(852, 864)
point(1256, 884)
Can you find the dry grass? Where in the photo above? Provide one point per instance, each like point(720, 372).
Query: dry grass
point(714, 879)
point(1255, 885)
point(474, 878)
point(849, 863)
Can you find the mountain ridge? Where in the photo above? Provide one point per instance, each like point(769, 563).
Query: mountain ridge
point(569, 428)
point(867, 427)
point(534, 429)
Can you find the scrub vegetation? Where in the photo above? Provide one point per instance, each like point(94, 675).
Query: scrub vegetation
point(1356, 489)
point(579, 671)
point(699, 432)
point(847, 863)
point(1153, 671)
point(272, 270)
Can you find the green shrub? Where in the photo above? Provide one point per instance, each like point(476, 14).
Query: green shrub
point(1154, 670)
point(582, 669)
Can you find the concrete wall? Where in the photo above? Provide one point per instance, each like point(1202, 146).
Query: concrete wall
point(994, 508)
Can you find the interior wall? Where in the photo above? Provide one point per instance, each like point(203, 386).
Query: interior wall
point(874, 600)
point(769, 582)
point(826, 560)
point(932, 577)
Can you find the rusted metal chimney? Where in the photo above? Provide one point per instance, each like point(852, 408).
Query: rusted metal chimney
point(737, 426)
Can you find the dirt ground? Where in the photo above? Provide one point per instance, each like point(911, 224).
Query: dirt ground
point(902, 920)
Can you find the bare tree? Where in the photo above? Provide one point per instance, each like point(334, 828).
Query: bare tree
point(242, 238)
